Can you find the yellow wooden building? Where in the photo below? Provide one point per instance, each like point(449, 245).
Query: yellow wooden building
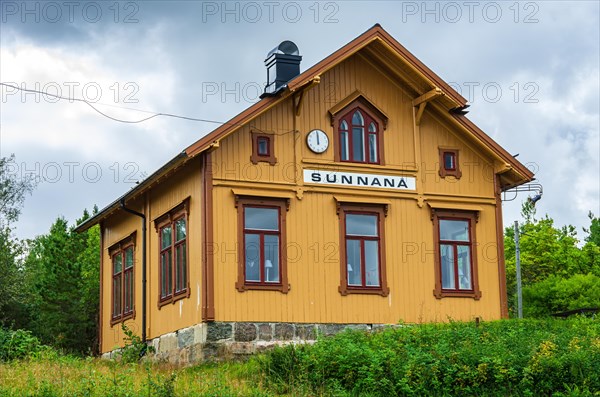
point(354, 193)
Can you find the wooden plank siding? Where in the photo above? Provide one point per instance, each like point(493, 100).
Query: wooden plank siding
point(313, 225)
point(313, 234)
point(185, 182)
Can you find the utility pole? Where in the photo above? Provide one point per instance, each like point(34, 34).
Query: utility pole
point(518, 255)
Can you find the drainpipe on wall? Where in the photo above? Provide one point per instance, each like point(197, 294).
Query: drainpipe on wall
point(143, 269)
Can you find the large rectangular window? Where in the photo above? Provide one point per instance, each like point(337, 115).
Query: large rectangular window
point(456, 264)
point(122, 258)
point(262, 262)
point(363, 250)
point(173, 254)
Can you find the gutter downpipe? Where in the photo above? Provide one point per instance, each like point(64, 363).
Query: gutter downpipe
point(143, 270)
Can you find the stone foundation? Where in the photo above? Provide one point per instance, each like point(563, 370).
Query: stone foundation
point(221, 340)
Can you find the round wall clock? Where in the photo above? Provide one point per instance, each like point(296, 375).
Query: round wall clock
point(317, 141)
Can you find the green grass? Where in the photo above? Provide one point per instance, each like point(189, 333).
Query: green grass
point(526, 358)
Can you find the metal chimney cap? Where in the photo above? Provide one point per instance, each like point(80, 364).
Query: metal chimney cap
point(286, 47)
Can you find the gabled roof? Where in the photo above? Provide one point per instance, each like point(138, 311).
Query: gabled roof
point(393, 58)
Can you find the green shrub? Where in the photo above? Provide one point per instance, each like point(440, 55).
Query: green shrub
point(529, 357)
point(134, 348)
point(17, 344)
point(556, 294)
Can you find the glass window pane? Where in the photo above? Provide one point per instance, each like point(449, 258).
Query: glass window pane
point(361, 225)
point(454, 230)
point(166, 273)
point(354, 265)
point(464, 267)
point(271, 261)
point(165, 237)
point(344, 125)
point(163, 275)
point(183, 266)
point(180, 267)
point(117, 295)
point(357, 118)
point(263, 146)
point(373, 148)
point(117, 263)
point(178, 272)
point(372, 263)
point(129, 257)
point(180, 229)
point(261, 218)
point(128, 292)
point(449, 161)
point(372, 127)
point(344, 145)
point(358, 144)
point(447, 257)
point(252, 252)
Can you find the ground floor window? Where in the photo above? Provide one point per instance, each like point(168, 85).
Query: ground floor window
point(172, 230)
point(122, 297)
point(455, 257)
point(262, 262)
point(362, 249)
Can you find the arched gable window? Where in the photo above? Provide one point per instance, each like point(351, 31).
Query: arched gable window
point(358, 132)
point(359, 137)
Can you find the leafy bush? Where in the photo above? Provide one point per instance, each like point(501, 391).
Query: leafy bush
point(134, 348)
point(17, 344)
point(556, 294)
point(498, 358)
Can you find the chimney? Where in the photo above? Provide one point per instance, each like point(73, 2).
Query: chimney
point(283, 64)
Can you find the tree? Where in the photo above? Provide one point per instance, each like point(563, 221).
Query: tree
point(63, 280)
point(550, 258)
point(12, 196)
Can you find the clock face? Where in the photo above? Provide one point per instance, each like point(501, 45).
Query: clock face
point(317, 141)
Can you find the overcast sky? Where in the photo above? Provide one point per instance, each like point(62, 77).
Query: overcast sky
point(529, 69)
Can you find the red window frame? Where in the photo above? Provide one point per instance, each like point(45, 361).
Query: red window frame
point(445, 171)
point(176, 274)
point(269, 156)
point(366, 133)
point(439, 290)
point(281, 206)
point(123, 281)
point(380, 213)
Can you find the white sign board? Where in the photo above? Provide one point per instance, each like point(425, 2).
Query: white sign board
point(374, 181)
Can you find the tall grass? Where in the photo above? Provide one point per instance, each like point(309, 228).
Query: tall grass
point(502, 358)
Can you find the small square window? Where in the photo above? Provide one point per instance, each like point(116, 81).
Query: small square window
point(449, 165)
point(263, 148)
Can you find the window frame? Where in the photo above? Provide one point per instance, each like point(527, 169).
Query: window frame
point(472, 217)
point(444, 172)
point(259, 202)
point(119, 249)
point(364, 209)
point(369, 113)
point(169, 219)
point(256, 157)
